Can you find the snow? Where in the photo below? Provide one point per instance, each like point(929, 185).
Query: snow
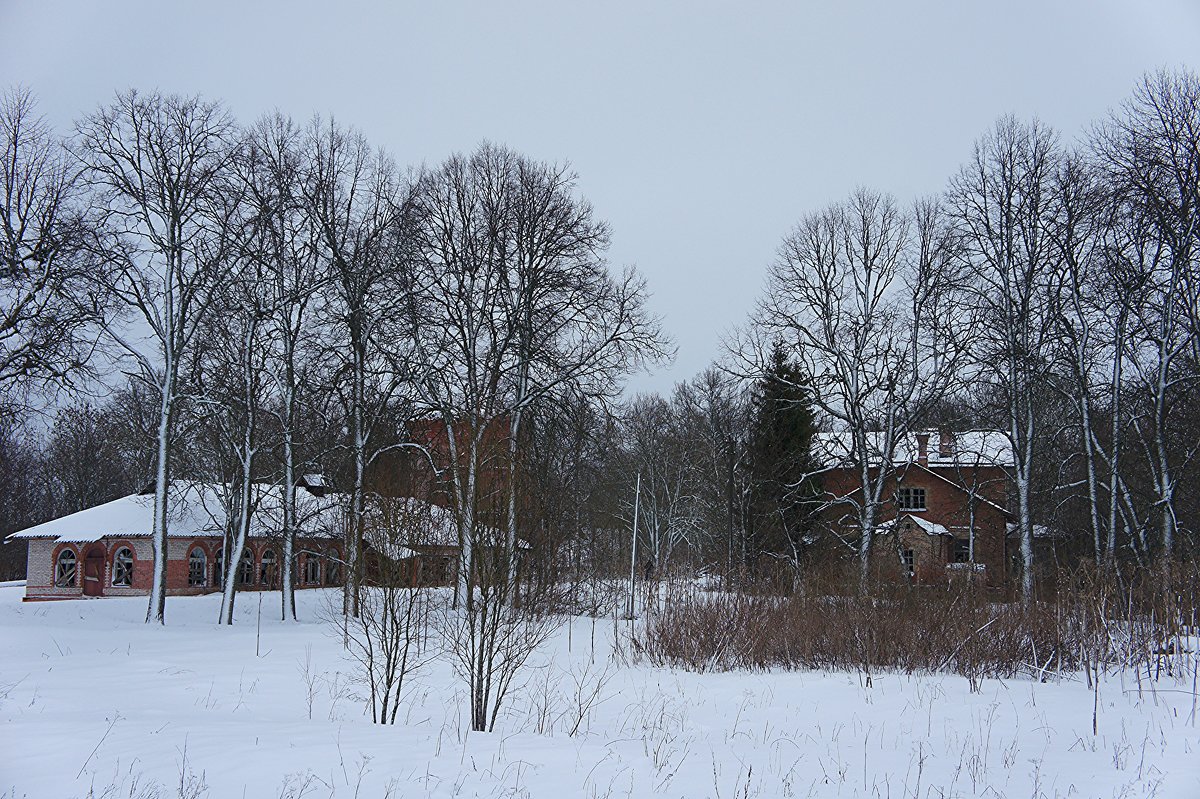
point(93, 700)
point(195, 509)
point(971, 448)
point(931, 528)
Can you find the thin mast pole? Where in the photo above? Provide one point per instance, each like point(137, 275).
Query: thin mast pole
point(637, 496)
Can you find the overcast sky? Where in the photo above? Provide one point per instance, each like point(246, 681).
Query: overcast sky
point(700, 131)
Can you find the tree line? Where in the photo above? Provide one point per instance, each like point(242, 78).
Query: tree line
point(284, 297)
point(280, 298)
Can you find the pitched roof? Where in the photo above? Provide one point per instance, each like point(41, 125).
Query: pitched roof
point(970, 448)
point(931, 528)
point(194, 509)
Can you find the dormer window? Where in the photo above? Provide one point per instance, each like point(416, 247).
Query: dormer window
point(909, 498)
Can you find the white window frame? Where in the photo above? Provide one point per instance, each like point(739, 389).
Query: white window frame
point(312, 570)
point(71, 578)
point(122, 569)
point(202, 581)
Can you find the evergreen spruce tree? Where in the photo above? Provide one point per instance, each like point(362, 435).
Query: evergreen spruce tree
point(784, 490)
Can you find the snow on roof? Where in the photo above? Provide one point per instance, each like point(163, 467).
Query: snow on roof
point(932, 528)
point(194, 509)
point(394, 526)
point(969, 448)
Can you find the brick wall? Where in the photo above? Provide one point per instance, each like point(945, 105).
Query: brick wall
point(949, 495)
point(43, 554)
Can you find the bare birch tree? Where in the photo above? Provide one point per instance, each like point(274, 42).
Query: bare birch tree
point(1002, 206)
point(357, 203)
point(1150, 152)
point(158, 167)
point(283, 240)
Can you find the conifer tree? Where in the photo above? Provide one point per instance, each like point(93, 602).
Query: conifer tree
point(785, 488)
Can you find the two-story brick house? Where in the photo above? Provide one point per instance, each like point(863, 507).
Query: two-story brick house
point(943, 508)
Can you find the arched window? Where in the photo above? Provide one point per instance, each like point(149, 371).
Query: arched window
point(122, 569)
point(312, 569)
point(267, 572)
point(246, 569)
point(65, 569)
point(197, 567)
point(333, 568)
point(219, 567)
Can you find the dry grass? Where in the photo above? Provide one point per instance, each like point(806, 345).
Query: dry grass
point(1087, 620)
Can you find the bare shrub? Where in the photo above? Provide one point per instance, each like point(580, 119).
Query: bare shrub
point(388, 638)
point(1141, 618)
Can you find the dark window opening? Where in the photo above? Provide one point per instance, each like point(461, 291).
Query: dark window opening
point(909, 498)
point(267, 570)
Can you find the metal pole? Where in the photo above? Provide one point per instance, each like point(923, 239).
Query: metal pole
point(637, 496)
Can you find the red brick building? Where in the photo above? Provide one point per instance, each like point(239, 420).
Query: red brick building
point(106, 550)
point(943, 513)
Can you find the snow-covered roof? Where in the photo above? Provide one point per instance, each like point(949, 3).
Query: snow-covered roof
point(931, 528)
point(194, 509)
point(969, 448)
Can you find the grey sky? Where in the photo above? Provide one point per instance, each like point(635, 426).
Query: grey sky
point(701, 131)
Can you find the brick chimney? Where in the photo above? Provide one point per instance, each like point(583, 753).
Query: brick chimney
point(923, 449)
point(946, 444)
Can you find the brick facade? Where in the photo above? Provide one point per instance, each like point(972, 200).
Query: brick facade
point(959, 500)
point(43, 556)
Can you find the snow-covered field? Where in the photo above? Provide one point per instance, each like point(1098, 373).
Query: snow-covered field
point(95, 703)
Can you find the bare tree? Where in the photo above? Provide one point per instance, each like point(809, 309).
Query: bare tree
point(659, 446)
point(1002, 205)
point(861, 292)
point(357, 204)
point(283, 241)
point(235, 390)
point(389, 637)
point(48, 313)
point(574, 327)
point(1150, 151)
point(158, 167)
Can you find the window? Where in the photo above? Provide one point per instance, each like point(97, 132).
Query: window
point(333, 569)
point(197, 567)
point(65, 569)
point(312, 570)
point(908, 561)
point(246, 569)
point(122, 571)
point(962, 550)
point(219, 567)
point(266, 573)
point(909, 498)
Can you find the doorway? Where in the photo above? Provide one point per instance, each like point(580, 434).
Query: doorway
point(93, 571)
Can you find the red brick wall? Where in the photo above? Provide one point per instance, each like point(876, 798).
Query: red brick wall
point(44, 552)
point(947, 502)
